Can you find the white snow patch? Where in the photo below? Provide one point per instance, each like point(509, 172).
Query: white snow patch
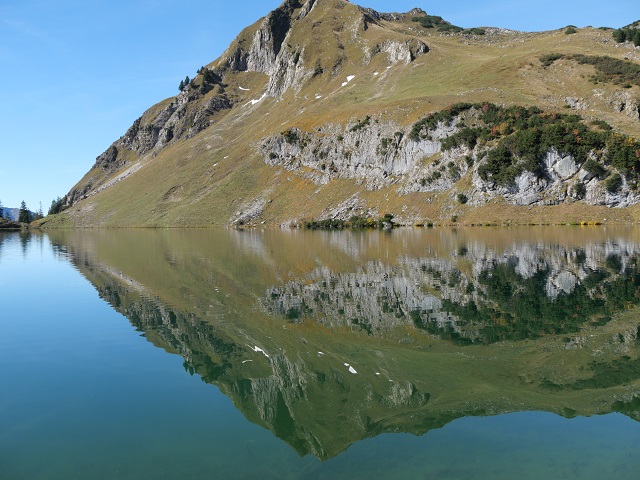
point(253, 102)
point(378, 374)
point(349, 78)
point(351, 369)
point(258, 349)
point(318, 96)
point(244, 89)
point(375, 74)
point(320, 353)
point(246, 361)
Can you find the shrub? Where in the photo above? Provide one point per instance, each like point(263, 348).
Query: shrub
point(521, 137)
point(570, 30)
point(611, 69)
point(466, 136)
point(627, 35)
point(548, 59)
point(361, 124)
point(594, 168)
point(500, 166)
point(613, 183)
point(624, 154)
point(462, 198)
point(291, 136)
point(429, 21)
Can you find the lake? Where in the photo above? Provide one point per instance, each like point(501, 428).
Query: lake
point(478, 353)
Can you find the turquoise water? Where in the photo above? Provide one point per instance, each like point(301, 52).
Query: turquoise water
point(87, 395)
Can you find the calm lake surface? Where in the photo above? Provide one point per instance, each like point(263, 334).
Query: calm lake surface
point(421, 353)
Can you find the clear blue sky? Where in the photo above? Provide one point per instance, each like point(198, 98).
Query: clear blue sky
point(76, 74)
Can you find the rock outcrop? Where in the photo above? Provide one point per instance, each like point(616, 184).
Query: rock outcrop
point(379, 154)
point(268, 52)
point(627, 103)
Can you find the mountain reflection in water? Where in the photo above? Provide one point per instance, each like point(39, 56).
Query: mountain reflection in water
point(326, 338)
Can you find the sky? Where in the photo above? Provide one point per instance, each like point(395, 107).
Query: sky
point(74, 75)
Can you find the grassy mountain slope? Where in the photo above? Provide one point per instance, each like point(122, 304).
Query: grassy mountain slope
point(322, 67)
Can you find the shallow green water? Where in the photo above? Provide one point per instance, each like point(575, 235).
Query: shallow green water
point(440, 354)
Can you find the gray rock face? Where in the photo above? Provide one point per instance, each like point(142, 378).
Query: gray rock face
point(266, 54)
point(187, 115)
point(626, 102)
point(374, 153)
point(379, 154)
point(577, 103)
point(400, 51)
point(270, 52)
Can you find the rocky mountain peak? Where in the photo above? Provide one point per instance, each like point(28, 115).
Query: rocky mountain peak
point(296, 42)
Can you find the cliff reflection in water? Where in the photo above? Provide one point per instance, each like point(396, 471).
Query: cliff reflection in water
point(329, 338)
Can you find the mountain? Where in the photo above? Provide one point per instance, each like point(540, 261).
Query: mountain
point(11, 213)
point(325, 109)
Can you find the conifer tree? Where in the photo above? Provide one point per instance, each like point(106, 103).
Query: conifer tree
point(181, 86)
point(619, 35)
point(24, 216)
point(39, 214)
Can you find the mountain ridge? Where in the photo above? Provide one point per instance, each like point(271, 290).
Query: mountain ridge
point(324, 66)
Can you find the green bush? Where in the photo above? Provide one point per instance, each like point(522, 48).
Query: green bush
point(291, 136)
point(466, 136)
point(519, 138)
point(462, 198)
point(429, 21)
point(361, 124)
point(548, 59)
point(624, 154)
point(613, 183)
point(570, 30)
point(500, 166)
point(594, 168)
point(627, 35)
point(608, 69)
